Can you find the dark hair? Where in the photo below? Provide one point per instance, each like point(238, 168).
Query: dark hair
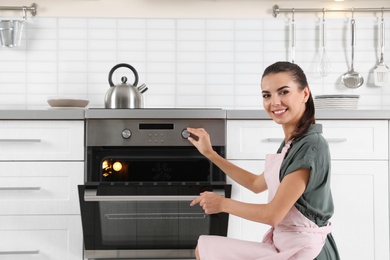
point(299, 77)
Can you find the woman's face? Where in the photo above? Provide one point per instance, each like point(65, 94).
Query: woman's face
point(282, 98)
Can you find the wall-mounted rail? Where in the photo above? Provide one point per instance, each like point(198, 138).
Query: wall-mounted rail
point(276, 10)
point(32, 9)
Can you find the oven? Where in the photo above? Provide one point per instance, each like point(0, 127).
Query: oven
point(141, 173)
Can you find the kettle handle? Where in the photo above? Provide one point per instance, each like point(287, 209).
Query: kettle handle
point(122, 65)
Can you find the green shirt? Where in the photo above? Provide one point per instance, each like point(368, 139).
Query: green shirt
point(311, 151)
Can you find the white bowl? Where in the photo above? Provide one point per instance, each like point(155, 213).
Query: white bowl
point(67, 102)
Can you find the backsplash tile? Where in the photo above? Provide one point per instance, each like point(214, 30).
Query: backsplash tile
point(184, 62)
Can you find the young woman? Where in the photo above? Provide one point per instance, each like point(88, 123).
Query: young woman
point(297, 179)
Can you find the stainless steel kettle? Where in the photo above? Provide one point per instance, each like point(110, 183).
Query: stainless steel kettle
point(124, 95)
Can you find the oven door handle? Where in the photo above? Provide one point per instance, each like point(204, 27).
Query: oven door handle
point(91, 195)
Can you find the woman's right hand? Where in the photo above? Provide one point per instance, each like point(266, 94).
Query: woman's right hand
point(203, 142)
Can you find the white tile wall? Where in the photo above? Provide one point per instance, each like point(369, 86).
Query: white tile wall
point(184, 62)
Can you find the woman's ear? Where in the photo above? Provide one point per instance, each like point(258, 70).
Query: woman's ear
point(306, 93)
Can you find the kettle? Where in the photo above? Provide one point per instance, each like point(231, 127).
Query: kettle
point(124, 95)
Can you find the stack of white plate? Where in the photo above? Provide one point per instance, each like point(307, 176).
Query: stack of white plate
point(336, 101)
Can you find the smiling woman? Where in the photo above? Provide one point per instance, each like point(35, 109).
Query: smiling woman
point(285, 95)
point(297, 178)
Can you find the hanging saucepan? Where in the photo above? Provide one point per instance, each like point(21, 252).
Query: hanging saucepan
point(124, 95)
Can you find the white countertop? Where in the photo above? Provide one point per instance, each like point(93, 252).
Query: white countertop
point(80, 114)
point(48, 114)
point(320, 114)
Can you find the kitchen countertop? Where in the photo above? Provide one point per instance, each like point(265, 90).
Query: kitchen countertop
point(320, 114)
point(173, 113)
point(81, 114)
point(48, 114)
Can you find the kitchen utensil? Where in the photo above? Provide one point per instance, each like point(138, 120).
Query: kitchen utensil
point(11, 32)
point(124, 95)
point(293, 39)
point(351, 78)
point(67, 103)
point(381, 71)
point(324, 65)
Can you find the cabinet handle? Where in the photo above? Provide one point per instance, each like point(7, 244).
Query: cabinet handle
point(20, 140)
point(336, 140)
point(20, 188)
point(22, 252)
point(330, 140)
point(274, 140)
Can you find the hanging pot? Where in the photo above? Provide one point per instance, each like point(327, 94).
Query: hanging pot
point(124, 95)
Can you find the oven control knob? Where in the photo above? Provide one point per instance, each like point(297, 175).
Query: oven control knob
point(185, 134)
point(126, 133)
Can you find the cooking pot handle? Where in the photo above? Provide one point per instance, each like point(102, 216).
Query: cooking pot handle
point(122, 65)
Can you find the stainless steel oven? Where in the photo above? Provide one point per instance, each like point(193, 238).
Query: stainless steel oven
point(141, 174)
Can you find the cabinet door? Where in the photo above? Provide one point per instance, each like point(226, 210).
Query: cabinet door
point(41, 140)
point(348, 139)
point(241, 228)
point(41, 238)
point(252, 139)
point(356, 139)
point(40, 187)
point(361, 218)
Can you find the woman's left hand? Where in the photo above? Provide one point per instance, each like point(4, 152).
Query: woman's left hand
point(209, 201)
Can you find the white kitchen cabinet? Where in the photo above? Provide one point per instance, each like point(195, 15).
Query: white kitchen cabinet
point(360, 171)
point(348, 139)
point(42, 163)
point(40, 237)
point(357, 139)
point(361, 219)
point(252, 139)
point(241, 228)
point(40, 187)
point(41, 140)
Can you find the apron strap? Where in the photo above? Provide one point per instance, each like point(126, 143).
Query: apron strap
point(286, 147)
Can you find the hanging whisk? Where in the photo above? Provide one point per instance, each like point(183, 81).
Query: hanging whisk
point(324, 64)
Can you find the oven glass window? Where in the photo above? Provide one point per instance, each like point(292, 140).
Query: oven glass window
point(159, 164)
point(118, 216)
point(152, 170)
point(152, 224)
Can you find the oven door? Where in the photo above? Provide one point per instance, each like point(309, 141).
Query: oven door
point(146, 221)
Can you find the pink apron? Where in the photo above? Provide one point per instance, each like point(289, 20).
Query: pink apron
point(296, 237)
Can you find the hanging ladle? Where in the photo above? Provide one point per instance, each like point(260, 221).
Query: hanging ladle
point(352, 79)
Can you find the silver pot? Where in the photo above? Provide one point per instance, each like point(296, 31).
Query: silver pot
point(124, 95)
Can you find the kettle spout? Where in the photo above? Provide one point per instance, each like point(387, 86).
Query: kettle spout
point(142, 88)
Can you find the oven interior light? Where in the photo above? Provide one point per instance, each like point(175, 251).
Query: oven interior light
point(117, 166)
point(105, 165)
